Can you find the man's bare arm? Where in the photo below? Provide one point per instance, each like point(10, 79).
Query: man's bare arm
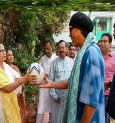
point(60, 85)
point(88, 114)
point(63, 84)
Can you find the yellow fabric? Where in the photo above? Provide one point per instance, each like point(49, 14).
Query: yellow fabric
point(10, 104)
point(113, 121)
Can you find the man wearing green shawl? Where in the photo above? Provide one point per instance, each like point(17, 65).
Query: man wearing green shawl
point(85, 102)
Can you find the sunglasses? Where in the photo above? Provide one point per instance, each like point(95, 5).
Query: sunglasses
point(2, 50)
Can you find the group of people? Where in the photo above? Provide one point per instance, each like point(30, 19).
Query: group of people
point(76, 84)
point(90, 79)
point(57, 66)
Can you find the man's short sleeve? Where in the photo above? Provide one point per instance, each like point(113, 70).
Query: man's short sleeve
point(90, 84)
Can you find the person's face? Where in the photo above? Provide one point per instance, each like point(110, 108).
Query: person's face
point(105, 45)
point(2, 53)
point(47, 50)
point(76, 35)
point(72, 52)
point(62, 49)
point(9, 57)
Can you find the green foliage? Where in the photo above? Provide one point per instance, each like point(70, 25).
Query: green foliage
point(31, 93)
point(27, 32)
point(33, 27)
point(27, 24)
point(36, 5)
point(23, 59)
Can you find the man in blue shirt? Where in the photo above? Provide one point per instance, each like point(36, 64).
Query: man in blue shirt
point(85, 101)
point(91, 87)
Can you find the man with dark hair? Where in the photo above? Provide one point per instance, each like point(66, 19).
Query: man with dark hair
point(47, 47)
point(44, 105)
point(67, 47)
point(61, 42)
point(108, 35)
point(60, 69)
point(85, 101)
point(109, 58)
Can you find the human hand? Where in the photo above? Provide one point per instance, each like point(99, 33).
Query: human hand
point(58, 101)
point(46, 83)
point(23, 79)
point(33, 77)
point(29, 77)
point(107, 85)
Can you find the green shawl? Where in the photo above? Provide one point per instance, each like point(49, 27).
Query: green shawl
point(71, 105)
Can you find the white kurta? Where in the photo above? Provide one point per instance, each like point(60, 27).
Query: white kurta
point(46, 62)
point(44, 104)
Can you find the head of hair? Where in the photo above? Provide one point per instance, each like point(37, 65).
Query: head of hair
point(8, 50)
point(70, 45)
point(46, 41)
point(61, 42)
point(1, 44)
point(108, 35)
point(81, 21)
